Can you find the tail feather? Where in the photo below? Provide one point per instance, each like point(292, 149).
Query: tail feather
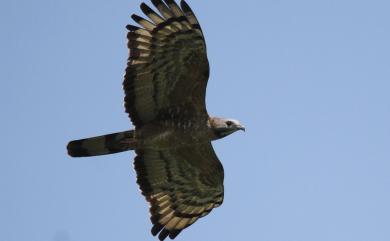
point(102, 145)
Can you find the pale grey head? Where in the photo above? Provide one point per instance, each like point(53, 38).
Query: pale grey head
point(222, 127)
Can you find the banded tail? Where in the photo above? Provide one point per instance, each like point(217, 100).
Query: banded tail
point(102, 145)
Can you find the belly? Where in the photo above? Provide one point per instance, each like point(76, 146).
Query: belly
point(165, 138)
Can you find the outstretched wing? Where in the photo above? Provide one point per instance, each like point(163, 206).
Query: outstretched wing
point(181, 184)
point(168, 65)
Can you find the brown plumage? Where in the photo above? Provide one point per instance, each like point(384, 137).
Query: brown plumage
point(165, 88)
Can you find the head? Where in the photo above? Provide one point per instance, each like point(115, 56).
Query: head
point(223, 127)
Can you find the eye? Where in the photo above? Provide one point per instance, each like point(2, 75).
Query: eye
point(229, 123)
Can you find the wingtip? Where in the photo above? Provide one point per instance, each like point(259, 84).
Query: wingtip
point(169, 1)
point(163, 234)
point(131, 28)
point(145, 8)
point(156, 229)
point(173, 234)
point(136, 18)
point(156, 2)
point(184, 5)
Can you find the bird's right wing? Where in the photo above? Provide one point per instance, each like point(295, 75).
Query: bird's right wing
point(168, 68)
point(181, 184)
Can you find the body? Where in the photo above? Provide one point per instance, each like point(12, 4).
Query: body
point(158, 135)
point(185, 132)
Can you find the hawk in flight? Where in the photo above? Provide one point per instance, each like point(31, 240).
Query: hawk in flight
point(165, 87)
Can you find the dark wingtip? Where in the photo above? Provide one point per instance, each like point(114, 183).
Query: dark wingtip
point(132, 28)
point(169, 2)
point(184, 5)
point(156, 229)
point(145, 8)
point(157, 2)
point(174, 233)
point(163, 234)
point(136, 18)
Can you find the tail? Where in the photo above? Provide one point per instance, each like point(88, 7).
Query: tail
point(102, 145)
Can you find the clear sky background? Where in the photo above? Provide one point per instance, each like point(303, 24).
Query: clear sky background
point(309, 79)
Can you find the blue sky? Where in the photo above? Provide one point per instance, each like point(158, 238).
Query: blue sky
point(309, 79)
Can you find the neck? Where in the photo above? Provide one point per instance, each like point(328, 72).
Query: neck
point(214, 132)
point(215, 135)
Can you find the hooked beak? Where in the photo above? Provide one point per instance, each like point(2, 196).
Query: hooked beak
point(241, 128)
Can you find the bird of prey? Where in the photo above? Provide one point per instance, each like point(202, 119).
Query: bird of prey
point(167, 71)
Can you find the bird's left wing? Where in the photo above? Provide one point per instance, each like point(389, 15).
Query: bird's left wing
point(181, 184)
point(168, 67)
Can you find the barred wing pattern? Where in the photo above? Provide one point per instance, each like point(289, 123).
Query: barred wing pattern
point(181, 184)
point(168, 64)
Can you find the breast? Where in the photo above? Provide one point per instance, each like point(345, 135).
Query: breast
point(166, 135)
